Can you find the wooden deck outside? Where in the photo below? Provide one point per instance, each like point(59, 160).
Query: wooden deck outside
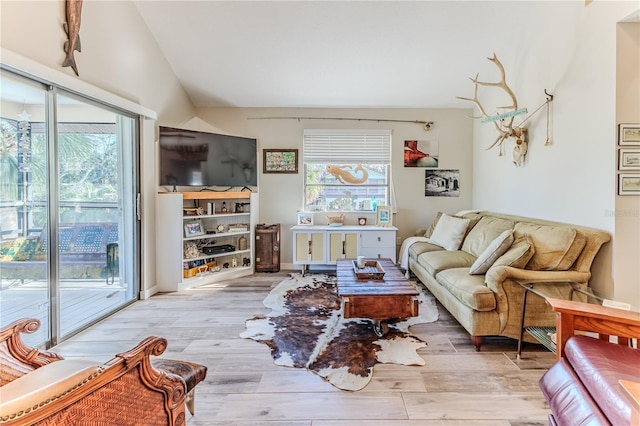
point(81, 302)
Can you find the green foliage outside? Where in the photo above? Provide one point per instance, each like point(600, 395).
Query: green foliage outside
point(87, 173)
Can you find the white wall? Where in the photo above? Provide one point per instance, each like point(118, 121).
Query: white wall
point(626, 248)
point(281, 195)
point(119, 57)
point(573, 179)
point(118, 54)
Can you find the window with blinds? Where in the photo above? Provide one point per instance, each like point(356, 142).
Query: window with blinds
point(346, 170)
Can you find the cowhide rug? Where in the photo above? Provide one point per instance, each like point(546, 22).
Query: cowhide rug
point(305, 329)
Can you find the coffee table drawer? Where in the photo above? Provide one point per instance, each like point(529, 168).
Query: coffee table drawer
point(380, 307)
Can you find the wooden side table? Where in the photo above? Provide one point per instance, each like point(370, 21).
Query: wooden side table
point(543, 334)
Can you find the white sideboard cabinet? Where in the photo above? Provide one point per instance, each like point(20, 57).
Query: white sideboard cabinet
point(204, 237)
point(323, 245)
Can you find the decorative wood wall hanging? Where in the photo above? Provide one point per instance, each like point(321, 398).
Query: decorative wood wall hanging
point(73, 12)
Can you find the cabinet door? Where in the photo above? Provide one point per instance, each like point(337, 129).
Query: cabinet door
point(309, 247)
point(342, 246)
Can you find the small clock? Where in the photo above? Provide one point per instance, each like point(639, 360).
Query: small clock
point(220, 228)
point(362, 221)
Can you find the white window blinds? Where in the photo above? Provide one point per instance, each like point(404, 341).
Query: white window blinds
point(347, 146)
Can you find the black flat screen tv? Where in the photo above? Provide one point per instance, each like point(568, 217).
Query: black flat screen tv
point(194, 158)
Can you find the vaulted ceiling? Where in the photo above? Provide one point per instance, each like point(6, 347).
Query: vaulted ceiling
point(343, 53)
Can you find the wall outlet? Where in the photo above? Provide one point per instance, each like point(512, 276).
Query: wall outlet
point(398, 240)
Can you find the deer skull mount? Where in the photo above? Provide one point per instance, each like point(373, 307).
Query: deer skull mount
point(505, 127)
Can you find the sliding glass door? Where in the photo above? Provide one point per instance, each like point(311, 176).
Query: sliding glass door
point(96, 194)
point(69, 245)
point(23, 205)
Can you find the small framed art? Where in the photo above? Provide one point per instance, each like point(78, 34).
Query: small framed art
point(629, 184)
point(193, 228)
point(628, 159)
point(629, 134)
point(442, 183)
point(383, 216)
point(280, 161)
point(421, 153)
point(305, 219)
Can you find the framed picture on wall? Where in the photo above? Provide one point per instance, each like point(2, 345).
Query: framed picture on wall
point(442, 183)
point(629, 134)
point(629, 184)
point(280, 161)
point(628, 159)
point(421, 153)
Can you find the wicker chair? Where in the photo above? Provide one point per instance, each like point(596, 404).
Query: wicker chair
point(40, 387)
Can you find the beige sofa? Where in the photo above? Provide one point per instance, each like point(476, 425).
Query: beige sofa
point(555, 255)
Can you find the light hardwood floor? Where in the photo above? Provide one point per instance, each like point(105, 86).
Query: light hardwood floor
point(456, 386)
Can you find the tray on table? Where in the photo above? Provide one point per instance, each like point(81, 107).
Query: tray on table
point(372, 270)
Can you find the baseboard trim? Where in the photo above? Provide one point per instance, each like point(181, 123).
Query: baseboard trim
point(145, 294)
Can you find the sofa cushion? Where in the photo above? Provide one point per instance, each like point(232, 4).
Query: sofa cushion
point(436, 261)
point(45, 383)
point(518, 255)
point(473, 219)
point(600, 365)
point(449, 232)
point(579, 242)
point(493, 251)
point(416, 249)
point(554, 246)
point(486, 230)
point(468, 289)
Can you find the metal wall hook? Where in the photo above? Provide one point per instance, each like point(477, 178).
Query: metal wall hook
point(549, 96)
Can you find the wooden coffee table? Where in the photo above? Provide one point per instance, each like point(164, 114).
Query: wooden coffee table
point(391, 297)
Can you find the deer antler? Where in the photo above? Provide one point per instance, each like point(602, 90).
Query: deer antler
point(505, 130)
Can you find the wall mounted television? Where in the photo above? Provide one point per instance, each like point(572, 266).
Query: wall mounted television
point(194, 158)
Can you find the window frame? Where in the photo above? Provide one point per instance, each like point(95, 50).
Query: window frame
point(348, 149)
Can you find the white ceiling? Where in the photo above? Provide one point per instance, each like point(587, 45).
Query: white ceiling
point(414, 54)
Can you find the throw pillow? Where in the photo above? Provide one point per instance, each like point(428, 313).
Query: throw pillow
point(518, 255)
point(433, 225)
point(449, 232)
point(494, 250)
point(552, 243)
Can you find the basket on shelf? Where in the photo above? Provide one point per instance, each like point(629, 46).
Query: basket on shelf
point(335, 220)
